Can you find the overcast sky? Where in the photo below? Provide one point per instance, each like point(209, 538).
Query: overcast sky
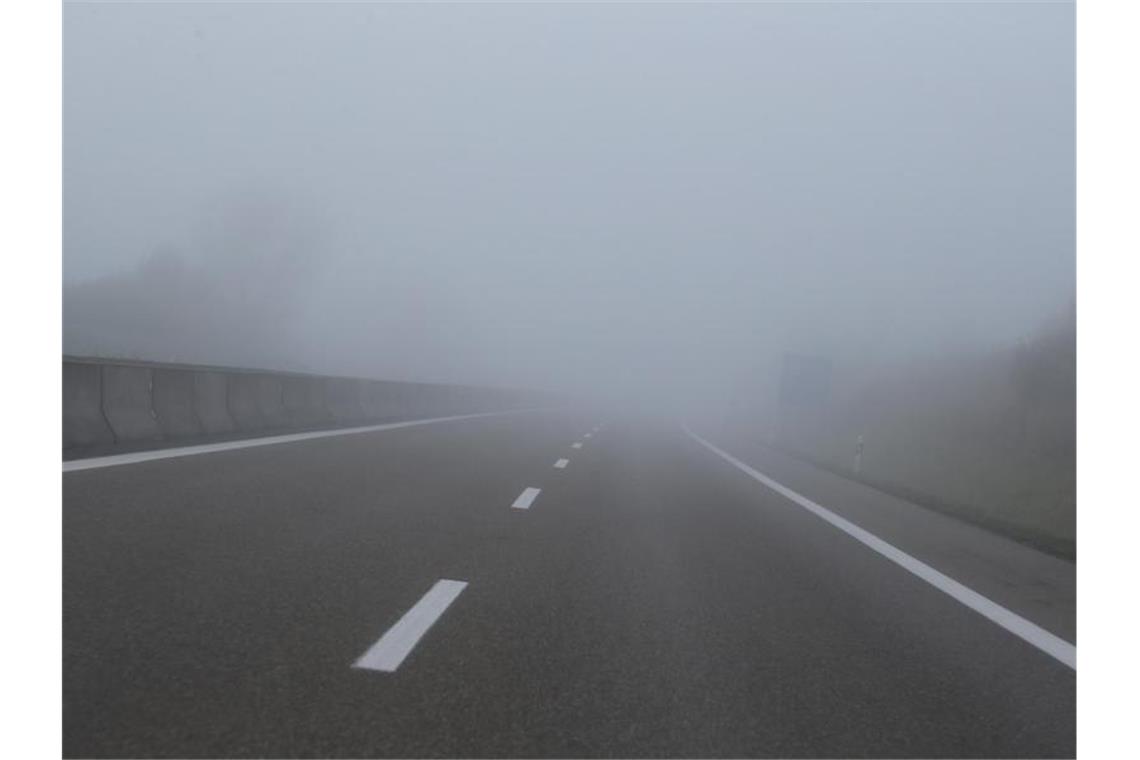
point(564, 195)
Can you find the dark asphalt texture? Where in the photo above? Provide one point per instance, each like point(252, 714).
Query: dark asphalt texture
point(653, 602)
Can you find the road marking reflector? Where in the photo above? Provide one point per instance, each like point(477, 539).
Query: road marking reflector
point(1054, 646)
point(395, 645)
point(526, 498)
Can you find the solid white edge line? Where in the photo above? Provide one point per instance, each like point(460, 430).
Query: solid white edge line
point(561, 464)
point(526, 498)
point(1054, 646)
point(114, 460)
point(398, 642)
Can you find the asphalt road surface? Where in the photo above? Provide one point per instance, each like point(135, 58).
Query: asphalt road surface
point(650, 600)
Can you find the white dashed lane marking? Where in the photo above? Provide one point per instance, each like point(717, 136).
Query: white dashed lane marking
point(395, 645)
point(526, 498)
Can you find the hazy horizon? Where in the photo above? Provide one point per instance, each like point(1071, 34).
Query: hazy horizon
point(625, 201)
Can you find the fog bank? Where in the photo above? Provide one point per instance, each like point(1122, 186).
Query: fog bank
point(645, 203)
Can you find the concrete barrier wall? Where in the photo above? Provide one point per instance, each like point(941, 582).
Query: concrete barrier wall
point(83, 422)
point(458, 399)
point(127, 403)
point(384, 400)
point(112, 404)
point(398, 400)
point(435, 398)
point(415, 401)
point(211, 404)
point(271, 402)
point(471, 399)
point(242, 389)
point(343, 396)
point(174, 403)
point(304, 399)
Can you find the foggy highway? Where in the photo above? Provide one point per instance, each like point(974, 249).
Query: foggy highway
point(545, 583)
point(569, 380)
